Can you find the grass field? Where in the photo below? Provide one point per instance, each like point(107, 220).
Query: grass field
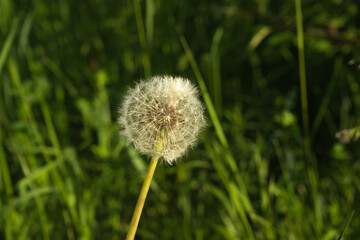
point(279, 79)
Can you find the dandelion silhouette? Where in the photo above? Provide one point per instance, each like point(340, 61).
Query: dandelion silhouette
point(162, 118)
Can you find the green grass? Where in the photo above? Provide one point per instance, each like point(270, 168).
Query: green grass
point(279, 80)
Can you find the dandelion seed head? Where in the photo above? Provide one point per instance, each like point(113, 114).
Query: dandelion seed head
point(165, 108)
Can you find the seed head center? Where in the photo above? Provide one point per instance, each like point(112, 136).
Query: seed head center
point(164, 117)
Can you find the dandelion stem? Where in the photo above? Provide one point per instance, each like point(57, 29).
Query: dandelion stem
point(143, 193)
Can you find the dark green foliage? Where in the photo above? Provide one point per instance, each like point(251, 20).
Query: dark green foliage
point(65, 173)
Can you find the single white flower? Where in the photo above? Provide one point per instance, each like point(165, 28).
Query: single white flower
point(165, 109)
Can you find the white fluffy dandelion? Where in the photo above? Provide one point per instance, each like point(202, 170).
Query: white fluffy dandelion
point(165, 109)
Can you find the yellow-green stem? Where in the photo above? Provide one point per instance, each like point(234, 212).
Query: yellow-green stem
point(141, 200)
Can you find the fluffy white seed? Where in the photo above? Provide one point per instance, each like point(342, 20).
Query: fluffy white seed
point(165, 108)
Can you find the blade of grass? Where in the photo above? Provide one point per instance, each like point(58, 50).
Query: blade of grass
point(228, 216)
point(258, 76)
point(19, 201)
point(38, 200)
point(354, 86)
point(142, 38)
point(5, 50)
point(25, 31)
point(310, 164)
point(215, 66)
point(102, 108)
point(217, 125)
point(263, 174)
point(326, 100)
point(209, 105)
point(346, 226)
point(240, 185)
point(62, 77)
point(149, 20)
point(258, 37)
point(235, 195)
point(39, 172)
point(4, 168)
point(185, 202)
point(26, 227)
point(6, 13)
point(302, 73)
point(28, 116)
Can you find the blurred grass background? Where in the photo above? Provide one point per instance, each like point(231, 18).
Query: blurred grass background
point(267, 167)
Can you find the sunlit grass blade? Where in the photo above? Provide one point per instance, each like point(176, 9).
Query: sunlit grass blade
point(5, 180)
point(5, 50)
point(346, 226)
point(209, 104)
point(217, 125)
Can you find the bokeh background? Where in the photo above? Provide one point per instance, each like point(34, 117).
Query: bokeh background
point(263, 169)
